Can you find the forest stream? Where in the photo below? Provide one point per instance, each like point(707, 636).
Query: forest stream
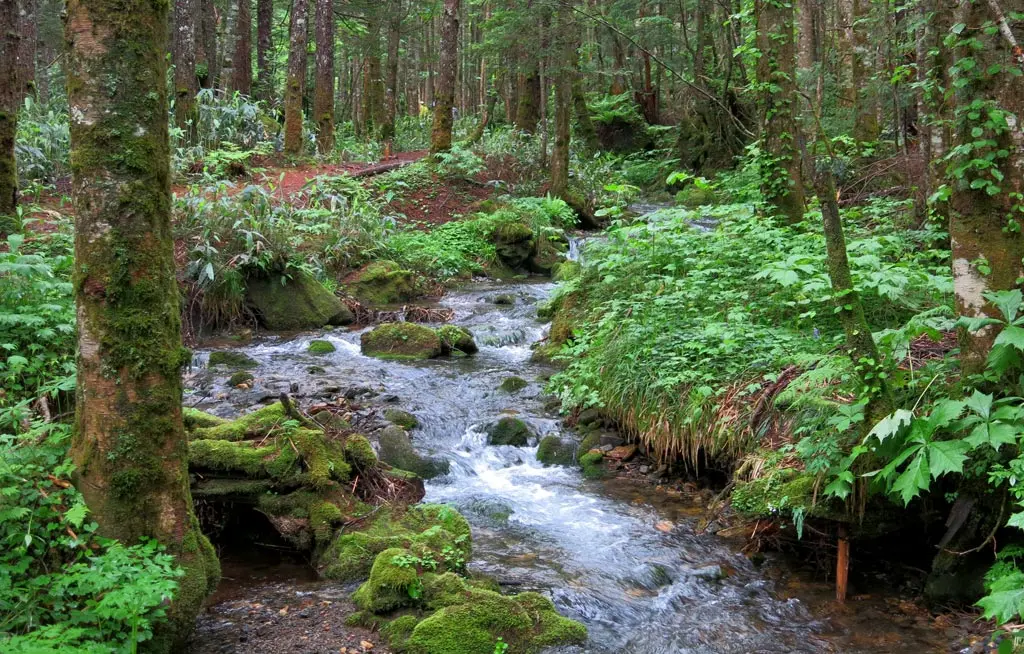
point(629, 565)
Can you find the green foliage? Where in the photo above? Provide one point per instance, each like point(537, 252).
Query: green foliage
point(43, 141)
point(62, 586)
point(36, 322)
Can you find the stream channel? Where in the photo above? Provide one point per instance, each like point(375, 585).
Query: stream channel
point(631, 567)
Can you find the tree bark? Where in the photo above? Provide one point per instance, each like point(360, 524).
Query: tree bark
point(9, 101)
point(865, 126)
point(387, 128)
point(296, 82)
point(323, 99)
point(206, 43)
point(441, 133)
point(26, 51)
point(264, 47)
point(242, 59)
point(528, 106)
point(129, 446)
point(564, 74)
point(985, 224)
point(186, 82)
point(584, 125)
point(781, 181)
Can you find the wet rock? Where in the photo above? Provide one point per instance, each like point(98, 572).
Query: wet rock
point(316, 370)
point(513, 384)
point(645, 469)
point(321, 347)
point(623, 453)
point(506, 299)
point(354, 392)
point(231, 359)
point(390, 398)
point(401, 340)
point(611, 438)
point(403, 419)
point(709, 573)
point(606, 448)
point(456, 340)
point(300, 302)
point(553, 451)
point(589, 417)
point(395, 448)
point(240, 377)
point(509, 431)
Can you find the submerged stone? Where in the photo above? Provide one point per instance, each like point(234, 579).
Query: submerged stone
point(513, 384)
point(403, 419)
point(396, 449)
point(283, 304)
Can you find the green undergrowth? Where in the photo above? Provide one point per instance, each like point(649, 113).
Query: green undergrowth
point(680, 320)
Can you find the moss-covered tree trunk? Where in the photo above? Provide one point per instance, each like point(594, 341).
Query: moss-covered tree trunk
point(296, 81)
point(186, 82)
point(8, 112)
point(441, 134)
point(528, 96)
point(129, 446)
point(264, 47)
point(564, 70)
point(865, 102)
point(241, 78)
point(986, 222)
point(781, 182)
point(206, 43)
point(323, 97)
point(584, 125)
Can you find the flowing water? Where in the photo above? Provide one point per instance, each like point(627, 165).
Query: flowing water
point(639, 576)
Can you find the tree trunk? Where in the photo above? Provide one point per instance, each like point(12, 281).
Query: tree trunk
point(129, 445)
point(985, 221)
point(387, 128)
point(242, 59)
point(186, 83)
point(584, 125)
point(441, 133)
point(26, 50)
point(564, 74)
point(323, 99)
point(295, 84)
point(781, 182)
point(528, 107)
point(865, 108)
point(373, 94)
point(206, 43)
point(264, 47)
point(8, 112)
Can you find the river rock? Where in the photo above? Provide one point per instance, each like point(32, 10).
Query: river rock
point(401, 340)
point(403, 419)
point(513, 384)
point(301, 302)
point(554, 451)
point(383, 282)
point(611, 438)
point(396, 449)
point(456, 341)
point(509, 431)
point(623, 452)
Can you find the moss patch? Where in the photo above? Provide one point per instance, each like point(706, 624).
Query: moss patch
point(383, 282)
point(301, 302)
point(782, 489)
point(195, 418)
point(593, 465)
point(401, 340)
point(513, 384)
point(403, 419)
point(321, 347)
point(359, 452)
point(231, 359)
point(267, 420)
point(509, 431)
point(553, 451)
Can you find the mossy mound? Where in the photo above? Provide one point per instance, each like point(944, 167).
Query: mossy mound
point(359, 452)
point(592, 464)
point(396, 449)
point(268, 420)
point(240, 377)
point(513, 243)
point(456, 340)
point(784, 489)
point(231, 359)
point(403, 419)
point(397, 631)
point(195, 418)
point(301, 302)
point(565, 271)
point(401, 340)
point(383, 282)
point(321, 347)
point(393, 582)
point(548, 252)
point(513, 384)
point(553, 451)
point(509, 431)
point(432, 526)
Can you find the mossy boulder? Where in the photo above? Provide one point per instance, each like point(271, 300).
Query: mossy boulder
point(359, 452)
point(351, 555)
point(397, 631)
point(383, 282)
point(548, 252)
point(401, 340)
point(393, 582)
point(527, 622)
point(456, 340)
point(301, 302)
point(231, 359)
point(513, 384)
point(402, 418)
point(396, 449)
point(509, 431)
point(240, 377)
point(321, 347)
point(554, 451)
point(592, 464)
point(513, 243)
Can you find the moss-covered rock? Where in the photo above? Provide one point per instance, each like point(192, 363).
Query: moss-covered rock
point(321, 347)
point(548, 252)
point(401, 340)
point(456, 340)
point(195, 418)
point(394, 582)
point(351, 555)
point(504, 299)
point(509, 431)
point(402, 418)
point(240, 377)
point(513, 384)
point(301, 302)
point(359, 452)
point(513, 243)
point(396, 449)
point(553, 451)
point(231, 359)
point(383, 282)
point(397, 631)
point(592, 464)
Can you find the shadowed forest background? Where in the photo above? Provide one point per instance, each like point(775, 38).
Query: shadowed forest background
point(502, 323)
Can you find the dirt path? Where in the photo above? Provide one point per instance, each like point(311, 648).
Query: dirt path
point(288, 180)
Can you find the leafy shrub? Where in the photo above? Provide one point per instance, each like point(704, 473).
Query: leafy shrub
point(43, 142)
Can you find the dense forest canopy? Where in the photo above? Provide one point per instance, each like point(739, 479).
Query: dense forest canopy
point(798, 303)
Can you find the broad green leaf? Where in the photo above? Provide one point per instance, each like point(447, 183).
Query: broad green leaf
point(980, 403)
point(1011, 335)
point(891, 424)
point(1008, 302)
point(913, 480)
point(947, 457)
point(945, 412)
